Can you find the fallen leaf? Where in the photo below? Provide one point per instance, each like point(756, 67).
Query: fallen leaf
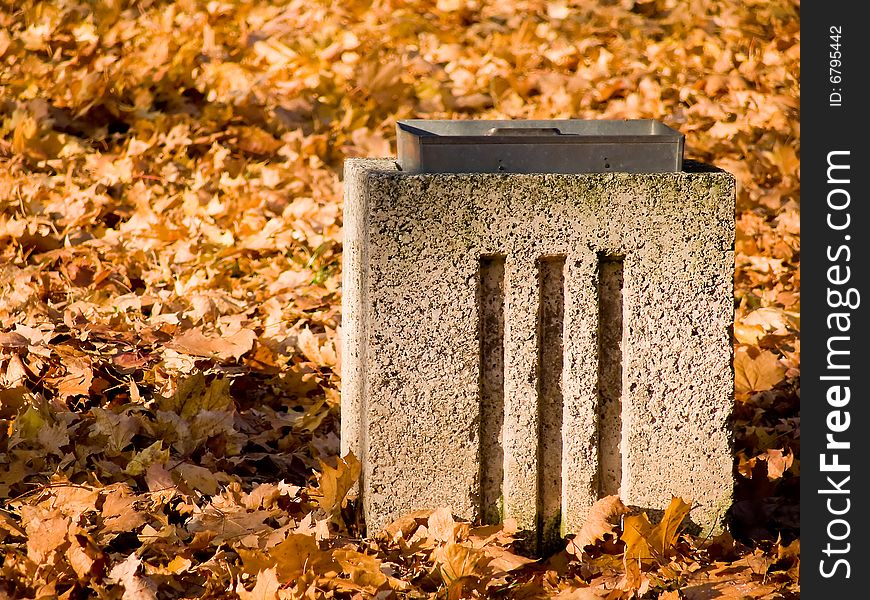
point(336, 482)
point(197, 478)
point(667, 530)
point(456, 561)
point(442, 527)
point(119, 511)
point(758, 373)
point(778, 462)
point(603, 517)
point(266, 587)
point(46, 532)
point(193, 342)
point(136, 586)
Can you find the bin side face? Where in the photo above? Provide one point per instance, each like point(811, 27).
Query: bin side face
point(419, 395)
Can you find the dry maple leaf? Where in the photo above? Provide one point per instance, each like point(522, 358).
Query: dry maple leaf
point(336, 482)
point(778, 462)
point(119, 511)
point(407, 524)
point(193, 397)
point(456, 561)
point(668, 528)
point(644, 541)
point(441, 526)
point(266, 587)
point(197, 478)
point(580, 593)
point(756, 372)
point(603, 517)
point(136, 586)
point(364, 573)
point(46, 532)
point(193, 342)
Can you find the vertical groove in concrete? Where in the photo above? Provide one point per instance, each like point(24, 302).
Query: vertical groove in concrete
point(490, 303)
point(610, 425)
point(551, 318)
point(520, 433)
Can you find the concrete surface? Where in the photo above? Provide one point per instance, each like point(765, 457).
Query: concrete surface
point(520, 345)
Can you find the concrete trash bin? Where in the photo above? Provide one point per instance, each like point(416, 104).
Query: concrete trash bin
point(520, 344)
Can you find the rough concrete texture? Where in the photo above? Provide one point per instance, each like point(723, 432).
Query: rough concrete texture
point(586, 315)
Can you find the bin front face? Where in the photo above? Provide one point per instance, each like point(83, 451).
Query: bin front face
point(521, 345)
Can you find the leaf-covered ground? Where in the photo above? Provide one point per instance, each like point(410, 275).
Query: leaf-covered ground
point(170, 258)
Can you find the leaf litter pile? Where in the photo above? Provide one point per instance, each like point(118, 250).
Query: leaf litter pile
point(170, 259)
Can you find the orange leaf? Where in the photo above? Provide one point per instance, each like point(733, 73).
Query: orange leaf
point(756, 373)
point(603, 517)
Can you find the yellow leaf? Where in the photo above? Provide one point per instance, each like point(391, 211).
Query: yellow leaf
point(192, 397)
point(297, 553)
point(636, 532)
point(748, 334)
point(667, 529)
point(147, 457)
point(364, 572)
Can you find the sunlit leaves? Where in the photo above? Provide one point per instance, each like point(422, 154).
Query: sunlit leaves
point(170, 253)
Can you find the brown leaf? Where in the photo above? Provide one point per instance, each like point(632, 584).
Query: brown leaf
point(84, 565)
point(193, 342)
point(197, 478)
point(119, 429)
point(157, 478)
point(78, 379)
point(74, 500)
point(119, 512)
point(503, 560)
point(406, 525)
point(364, 572)
point(13, 340)
point(580, 593)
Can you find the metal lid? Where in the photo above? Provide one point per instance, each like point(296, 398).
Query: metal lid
point(542, 146)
